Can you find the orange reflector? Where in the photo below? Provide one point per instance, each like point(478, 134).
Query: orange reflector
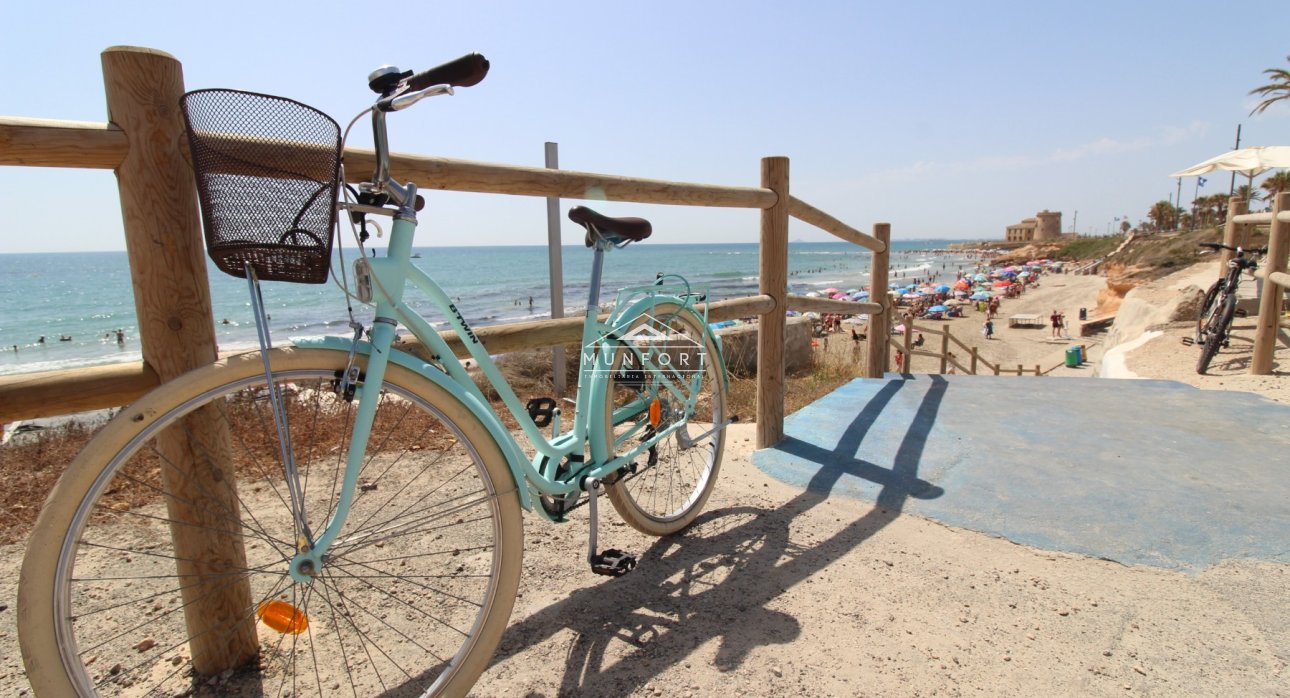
point(283, 617)
point(655, 412)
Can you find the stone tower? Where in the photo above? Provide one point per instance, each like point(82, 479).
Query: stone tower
point(1050, 225)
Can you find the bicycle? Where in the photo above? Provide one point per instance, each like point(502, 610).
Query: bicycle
point(337, 515)
point(1218, 307)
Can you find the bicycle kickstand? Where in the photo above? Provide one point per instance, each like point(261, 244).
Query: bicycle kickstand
point(612, 562)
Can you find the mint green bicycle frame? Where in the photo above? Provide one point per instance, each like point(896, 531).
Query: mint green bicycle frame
point(532, 477)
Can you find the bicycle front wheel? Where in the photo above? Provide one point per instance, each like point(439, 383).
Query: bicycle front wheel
point(159, 564)
point(1215, 332)
point(1208, 307)
point(674, 478)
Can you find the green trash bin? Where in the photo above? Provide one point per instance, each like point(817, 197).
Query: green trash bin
point(1072, 357)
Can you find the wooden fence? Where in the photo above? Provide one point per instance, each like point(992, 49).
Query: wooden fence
point(976, 364)
point(143, 143)
point(1273, 272)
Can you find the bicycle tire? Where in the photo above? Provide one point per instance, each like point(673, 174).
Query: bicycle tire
point(1216, 333)
point(666, 496)
point(425, 571)
point(1208, 306)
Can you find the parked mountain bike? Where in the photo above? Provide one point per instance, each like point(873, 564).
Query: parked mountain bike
point(1218, 308)
point(339, 517)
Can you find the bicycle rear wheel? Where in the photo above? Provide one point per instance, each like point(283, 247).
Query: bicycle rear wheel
point(412, 599)
point(1216, 332)
point(671, 487)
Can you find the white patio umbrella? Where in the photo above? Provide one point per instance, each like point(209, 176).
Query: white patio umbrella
point(1248, 161)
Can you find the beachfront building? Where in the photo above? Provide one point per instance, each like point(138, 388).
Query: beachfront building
point(1046, 225)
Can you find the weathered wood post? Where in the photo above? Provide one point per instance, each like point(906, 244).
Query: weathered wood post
point(876, 358)
point(1236, 206)
point(773, 263)
point(1270, 301)
point(945, 349)
point(907, 343)
point(177, 334)
point(974, 360)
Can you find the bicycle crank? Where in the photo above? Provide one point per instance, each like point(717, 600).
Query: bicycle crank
point(612, 562)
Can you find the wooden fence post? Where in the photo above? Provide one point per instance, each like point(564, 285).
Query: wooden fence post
point(177, 334)
point(974, 359)
point(773, 263)
point(876, 359)
point(945, 349)
point(1270, 301)
point(908, 340)
point(1236, 206)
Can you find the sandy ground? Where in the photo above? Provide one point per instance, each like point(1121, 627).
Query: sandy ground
point(776, 591)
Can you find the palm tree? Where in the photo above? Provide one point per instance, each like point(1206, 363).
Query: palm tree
point(1248, 193)
point(1276, 184)
point(1274, 91)
point(1162, 215)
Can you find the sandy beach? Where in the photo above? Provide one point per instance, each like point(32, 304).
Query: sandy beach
point(780, 591)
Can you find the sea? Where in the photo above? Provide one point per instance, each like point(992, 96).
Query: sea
point(78, 301)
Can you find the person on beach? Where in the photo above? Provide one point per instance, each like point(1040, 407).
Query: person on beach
point(1056, 320)
point(900, 360)
point(988, 328)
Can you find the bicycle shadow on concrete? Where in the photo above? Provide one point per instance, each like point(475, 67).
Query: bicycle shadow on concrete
point(719, 578)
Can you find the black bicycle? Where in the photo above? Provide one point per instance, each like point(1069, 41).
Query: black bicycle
point(1214, 322)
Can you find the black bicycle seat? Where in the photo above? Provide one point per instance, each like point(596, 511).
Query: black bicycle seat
point(613, 229)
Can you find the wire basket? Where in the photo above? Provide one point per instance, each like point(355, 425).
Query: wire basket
point(268, 173)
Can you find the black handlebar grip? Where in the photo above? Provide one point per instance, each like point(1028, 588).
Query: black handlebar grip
point(468, 70)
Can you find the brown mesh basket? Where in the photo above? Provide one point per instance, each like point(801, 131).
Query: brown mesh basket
point(267, 175)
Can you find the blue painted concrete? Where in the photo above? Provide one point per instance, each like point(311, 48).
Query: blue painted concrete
point(1141, 472)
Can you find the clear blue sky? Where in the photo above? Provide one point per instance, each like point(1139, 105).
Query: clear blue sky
point(947, 119)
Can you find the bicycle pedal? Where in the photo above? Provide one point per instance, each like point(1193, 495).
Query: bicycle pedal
point(613, 563)
point(541, 410)
point(1188, 341)
point(1242, 312)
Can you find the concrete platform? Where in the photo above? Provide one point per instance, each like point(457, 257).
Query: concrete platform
point(1140, 472)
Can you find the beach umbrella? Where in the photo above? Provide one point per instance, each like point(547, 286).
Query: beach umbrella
point(980, 277)
point(953, 301)
point(898, 329)
point(893, 285)
point(852, 290)
point(1248, 161)
point(937, 309)
point(1001, 283)
point(1023, 274)
point(1009, 274)
point(911, 295)
point(830, 290)
point(860, 294)
point(980, 296)
point(813, 294)
point(839, 297)
point(943, 288)
point(960, 292)
point(962, 283)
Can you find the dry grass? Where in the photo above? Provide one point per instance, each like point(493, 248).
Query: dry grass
point(31, 463)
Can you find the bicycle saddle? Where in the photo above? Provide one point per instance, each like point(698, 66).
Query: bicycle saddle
point(613, 229)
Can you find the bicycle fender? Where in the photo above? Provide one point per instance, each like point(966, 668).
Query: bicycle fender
point(500, 435)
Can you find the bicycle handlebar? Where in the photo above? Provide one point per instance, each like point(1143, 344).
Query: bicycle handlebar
point(466, 71)
point(1221, 246)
